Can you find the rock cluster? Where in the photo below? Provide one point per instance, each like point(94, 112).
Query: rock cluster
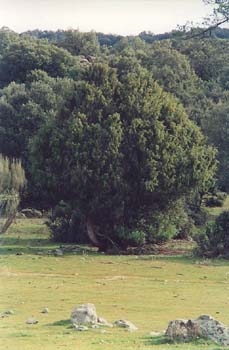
point(84, 316)
point(64, 249)
point(31, 213)
point(204, 326)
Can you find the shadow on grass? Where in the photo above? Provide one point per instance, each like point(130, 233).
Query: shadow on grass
point(61, 323)
point(156, 340)
point(162, 340)
point(38, 245)
point(16, 245)
point(24, 242)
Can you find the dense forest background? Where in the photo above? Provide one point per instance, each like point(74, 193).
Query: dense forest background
point(121, 136)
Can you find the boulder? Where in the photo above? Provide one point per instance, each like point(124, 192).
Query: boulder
point(204, 326)
point(126, 324)
point(31, 321)
point(58, 252)
point(84, 314)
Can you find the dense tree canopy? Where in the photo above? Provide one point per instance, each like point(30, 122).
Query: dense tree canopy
point(106, 128)
point(217, 128)
point(24, 55)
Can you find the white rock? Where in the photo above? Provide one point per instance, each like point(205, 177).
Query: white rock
point(31, 321)
point(84, 314)
point(126, 324)
point(204, 326)
point(80, 328)
point(58, 252)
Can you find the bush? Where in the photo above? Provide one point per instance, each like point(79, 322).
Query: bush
point(172, 222)
point(214, 241)
point(215, 200)
point(199, 216)
point(66, 225)
point(131, 238)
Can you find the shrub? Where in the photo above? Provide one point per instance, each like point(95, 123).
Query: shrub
point(215, 200)
point(199, 216)
point(214, 241)
point(130, 238)
point(66, 225)
point(172, 222)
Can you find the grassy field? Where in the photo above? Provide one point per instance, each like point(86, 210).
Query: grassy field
point(147, 290)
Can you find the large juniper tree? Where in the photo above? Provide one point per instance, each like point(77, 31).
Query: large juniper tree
point(122, 152)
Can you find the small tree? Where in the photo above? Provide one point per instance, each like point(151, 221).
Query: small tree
point(12, 180)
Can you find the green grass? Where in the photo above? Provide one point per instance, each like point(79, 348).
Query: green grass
point(147, 290)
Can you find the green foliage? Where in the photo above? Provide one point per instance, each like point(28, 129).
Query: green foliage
point(12, 177)
point(21, 57)
point(215, 240)
point(215, 199)
point(217, 128)
point(67, 225)
point(7, 37)
point(208, 58)
point(12, 181)
point(106, 138)
point(125, 150)
point(173, 221)
point(127, 237)
point(173, 71)
point(23, 109)
point(80, 43)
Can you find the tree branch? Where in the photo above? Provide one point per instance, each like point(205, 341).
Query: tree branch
point(207, 30)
